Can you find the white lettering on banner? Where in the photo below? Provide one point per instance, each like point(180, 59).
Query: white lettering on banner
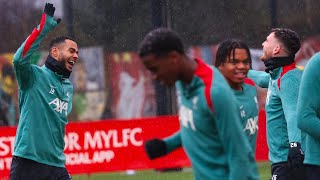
point(5, 163)
point(94, 141)
point(133, 135)
point(71, 141)
point(103, 139)
point(6, 145)
point(106, 138)
point(85, 158)
point(116, 143)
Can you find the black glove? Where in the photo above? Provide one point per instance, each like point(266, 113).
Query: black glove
point(295, 156)
point(49, 10)
point(155, 148)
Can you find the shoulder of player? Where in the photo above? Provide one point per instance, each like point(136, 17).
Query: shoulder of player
point(249, 82)
point(249, 89)
point(249, 86)
point(313, 63)
point(316, 57)
point(211, 78)
point(221, 91)
point(295, 74)
point(290, 79)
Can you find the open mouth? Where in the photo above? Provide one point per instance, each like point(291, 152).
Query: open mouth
point(240, 75)
point(71, 62)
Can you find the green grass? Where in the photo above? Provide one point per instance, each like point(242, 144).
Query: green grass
point(264, 170)
point(186, 174)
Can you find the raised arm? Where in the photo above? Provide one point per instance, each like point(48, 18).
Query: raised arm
point(21, 60)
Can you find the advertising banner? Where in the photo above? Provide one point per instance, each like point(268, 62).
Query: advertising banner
point(113, 145)
point(104, 146)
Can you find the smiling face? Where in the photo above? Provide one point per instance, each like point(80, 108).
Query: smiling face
point(163, 68)
point(270, 47)
point(66, 52)
point(235, 68)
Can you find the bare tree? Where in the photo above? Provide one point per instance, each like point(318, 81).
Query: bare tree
point(17, 19)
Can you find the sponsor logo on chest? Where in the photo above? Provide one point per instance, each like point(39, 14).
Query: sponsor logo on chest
point(252, 125)
point(60, 106)
point(186, 117)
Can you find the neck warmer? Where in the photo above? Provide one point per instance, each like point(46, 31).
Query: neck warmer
point(275, 62)
point(57, 67)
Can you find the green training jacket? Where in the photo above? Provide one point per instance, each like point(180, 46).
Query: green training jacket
point(309, 110)
point(45, 100)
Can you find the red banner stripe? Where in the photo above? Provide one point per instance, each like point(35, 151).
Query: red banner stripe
point(113, 145)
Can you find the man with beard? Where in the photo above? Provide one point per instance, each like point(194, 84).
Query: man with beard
point(45, 100)
point(282, 79)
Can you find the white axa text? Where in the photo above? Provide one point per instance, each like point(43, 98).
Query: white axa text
point(60, 105)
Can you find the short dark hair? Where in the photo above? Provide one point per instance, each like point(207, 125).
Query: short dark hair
point(58, 40)
point(227, 47)
point(289, 38)
point(160, 41)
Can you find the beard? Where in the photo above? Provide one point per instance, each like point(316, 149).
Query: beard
point(64, 63)
point(57, 66)
point(264, 57)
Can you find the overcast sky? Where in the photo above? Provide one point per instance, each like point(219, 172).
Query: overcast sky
point(56, 3)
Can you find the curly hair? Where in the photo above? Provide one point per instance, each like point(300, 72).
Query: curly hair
point(289, 38)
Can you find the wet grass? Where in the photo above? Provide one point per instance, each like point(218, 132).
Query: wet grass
point(185, 174)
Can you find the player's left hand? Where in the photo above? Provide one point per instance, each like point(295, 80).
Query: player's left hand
point(49, 10)
point(155, 148)
point(295, 156)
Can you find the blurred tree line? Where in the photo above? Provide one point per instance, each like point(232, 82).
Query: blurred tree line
point(119, 25)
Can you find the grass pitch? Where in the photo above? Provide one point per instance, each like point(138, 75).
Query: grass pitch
point(185, 174)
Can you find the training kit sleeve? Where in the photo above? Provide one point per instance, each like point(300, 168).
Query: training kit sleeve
point(308, 110)
point(173, 142)
point(309, 99)
point(289, 89)
point(21, 60)
point(260, 78)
